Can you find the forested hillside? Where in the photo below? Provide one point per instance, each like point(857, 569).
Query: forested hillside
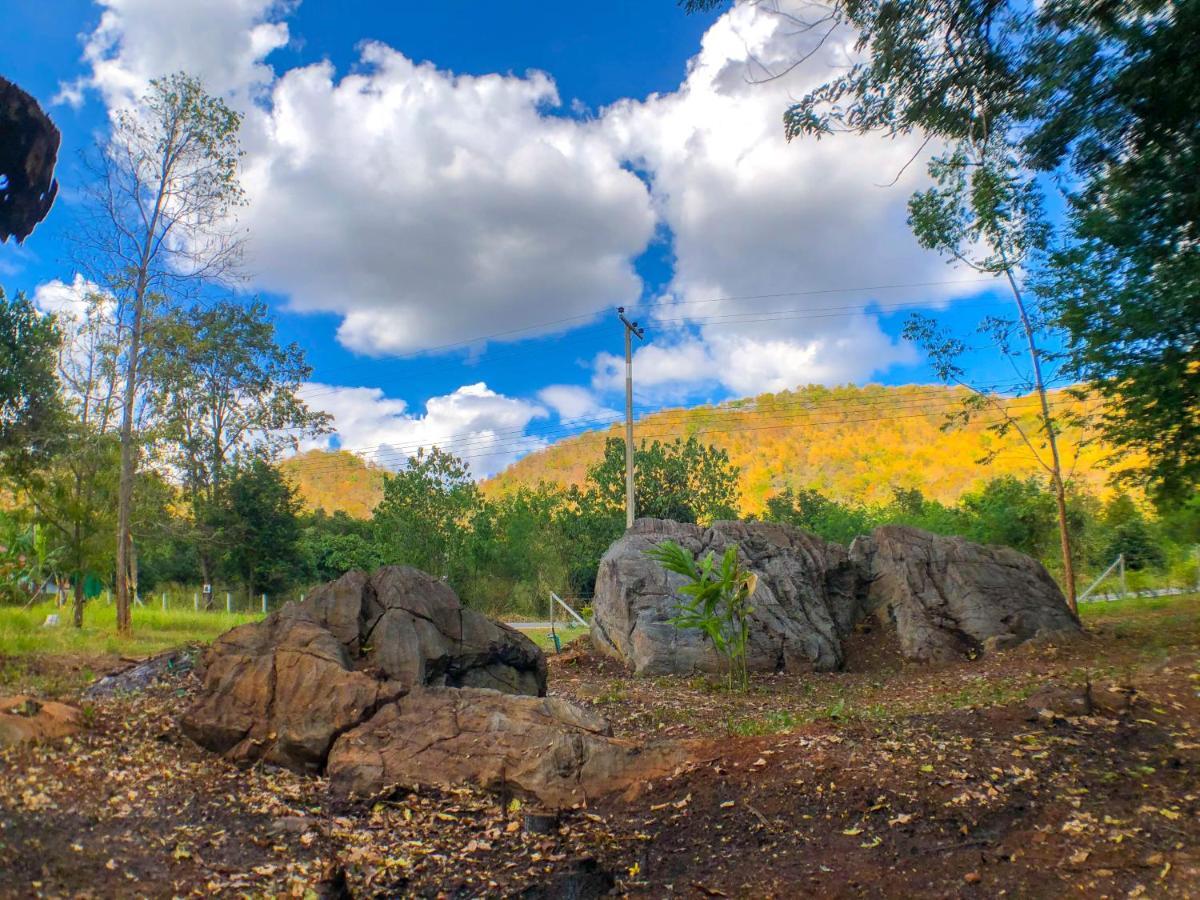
point(335, 481)
point(850, 443)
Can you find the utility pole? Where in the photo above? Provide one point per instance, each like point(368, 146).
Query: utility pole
point(631, 331)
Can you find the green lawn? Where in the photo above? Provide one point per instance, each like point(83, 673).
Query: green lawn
point(22, 632)
point(541, 636)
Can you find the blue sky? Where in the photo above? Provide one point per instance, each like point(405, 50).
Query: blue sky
point(423, 175)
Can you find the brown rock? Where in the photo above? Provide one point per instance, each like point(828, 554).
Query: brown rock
point(948, 597)
point(541, 748)
point(283, 689)
point(24, 719)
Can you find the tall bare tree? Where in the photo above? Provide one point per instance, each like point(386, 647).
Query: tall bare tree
point(224, 391)
point(160, 225)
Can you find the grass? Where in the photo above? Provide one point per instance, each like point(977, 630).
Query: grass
point(22, 632)
point(541, 636)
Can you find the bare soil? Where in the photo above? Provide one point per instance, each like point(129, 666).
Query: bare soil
point(984, 778)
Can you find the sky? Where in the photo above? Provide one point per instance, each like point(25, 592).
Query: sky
point(448, 201)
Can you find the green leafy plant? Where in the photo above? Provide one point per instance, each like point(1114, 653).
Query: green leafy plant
point(715, 600)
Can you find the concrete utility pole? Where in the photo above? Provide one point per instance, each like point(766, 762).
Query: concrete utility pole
point(631, 331)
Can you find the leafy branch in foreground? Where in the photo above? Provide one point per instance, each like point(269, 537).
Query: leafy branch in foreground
point(716, 601)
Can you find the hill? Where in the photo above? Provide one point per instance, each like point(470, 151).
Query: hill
point(335, 480)
point(850, 443)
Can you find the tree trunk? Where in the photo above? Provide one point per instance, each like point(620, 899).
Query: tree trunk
point(133, 568)
point(128, 470)
point(78, 601)
point(1060, 491)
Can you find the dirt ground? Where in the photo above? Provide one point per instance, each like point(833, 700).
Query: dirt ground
point(1005, 776)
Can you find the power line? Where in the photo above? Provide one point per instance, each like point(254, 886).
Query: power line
point(831, 423)
point(668, 416)
point(392, 453)
point(483, 446)
point(542, 326)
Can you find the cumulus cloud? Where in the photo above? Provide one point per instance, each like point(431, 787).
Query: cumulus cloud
point(422, 206)
point(225, 42)
point(574, 403)
point(474, 423)
point(62, 299)
point(427, 208)
point(752, 215)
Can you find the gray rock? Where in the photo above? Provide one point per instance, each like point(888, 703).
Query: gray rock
point(805, 602)
point(948, 597)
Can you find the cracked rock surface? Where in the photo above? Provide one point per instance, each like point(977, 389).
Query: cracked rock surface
point(543, 748)
point(804, 605)
point(948, 597)
point(283, 689)
point(945, 597)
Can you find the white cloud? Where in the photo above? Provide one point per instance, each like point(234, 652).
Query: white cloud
point(475, 423)
point(421, 206)
point(428, 208)
point(225, 42)
point(575, 404)
point(754, 215)
point(61, 299)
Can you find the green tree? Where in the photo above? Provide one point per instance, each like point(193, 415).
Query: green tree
point(222, 388)
point(953, 71)
point(1129, 533)
point(1115, 105)
point(425, 512)
point(73, 496)
point(687, 481)
point(820, 515)
point(260, 512)
point(332, 545)
point(29, 393)
point(159, 224)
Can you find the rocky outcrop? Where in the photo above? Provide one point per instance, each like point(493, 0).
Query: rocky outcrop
point(540, 748)
point(948, 597)
point(804, 604)
point(945, 597)
point(24, 720)
point(282, 690)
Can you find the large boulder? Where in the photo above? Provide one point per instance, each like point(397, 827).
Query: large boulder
point(948, 597)
point(283, 689)
point(805, 602)
point(540, 748)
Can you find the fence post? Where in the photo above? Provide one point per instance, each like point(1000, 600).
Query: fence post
point(228, 602)
point(164, 601)
point(196, 602)
point(1124, 581)
point(264, 601)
